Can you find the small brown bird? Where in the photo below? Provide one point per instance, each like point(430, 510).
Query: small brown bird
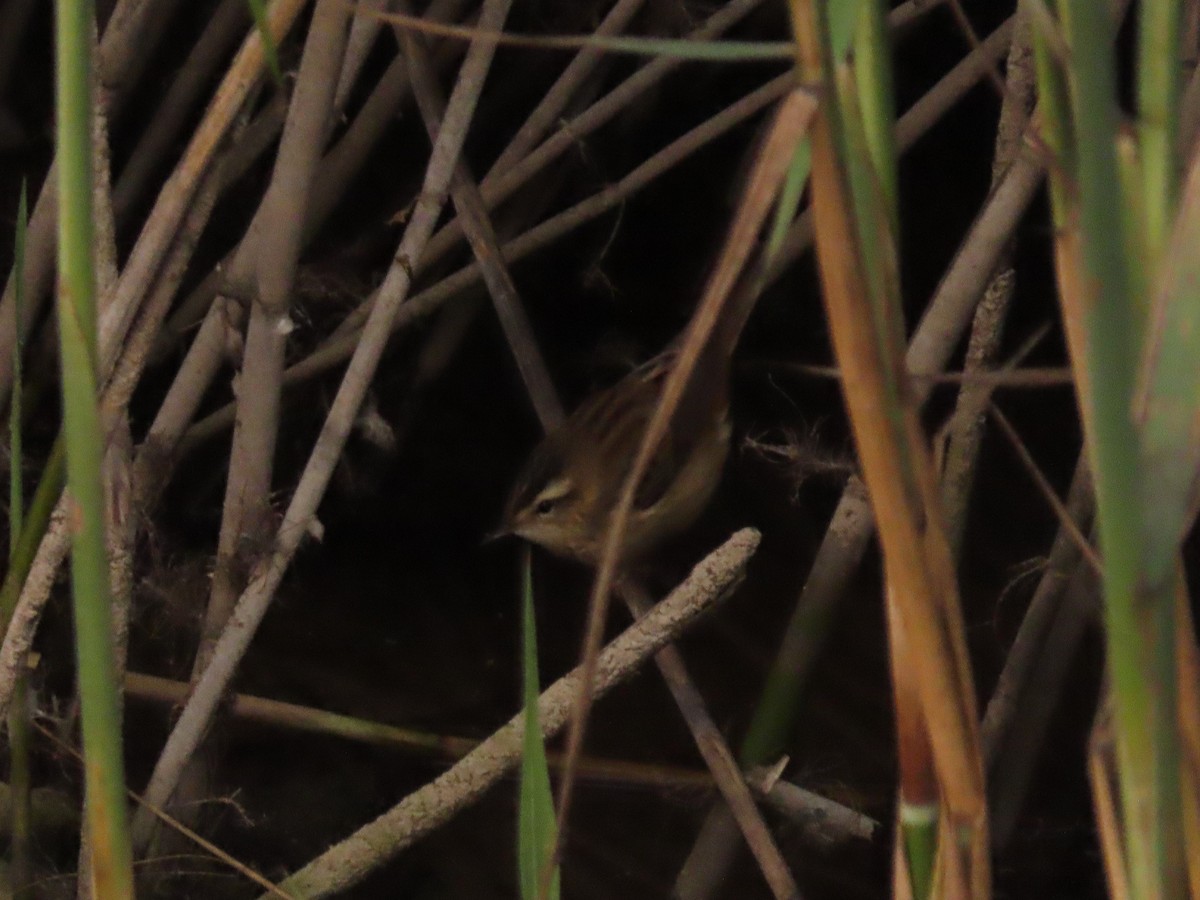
point(564, 497)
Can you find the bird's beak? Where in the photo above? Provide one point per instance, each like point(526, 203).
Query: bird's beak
point(493, 536)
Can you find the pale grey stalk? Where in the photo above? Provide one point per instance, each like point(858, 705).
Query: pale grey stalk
point(178, 193)
point(178, 199)
point(246, 512)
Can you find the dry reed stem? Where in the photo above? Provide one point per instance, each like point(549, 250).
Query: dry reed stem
point(548, 112)
point(338, 168)
point(364, 30)
point(898, 470)
point(299, 519)
point(1031, 377)
point(917, 780)
point(544, 116)
point(121, 304)
point(822, 820)
point(430, 806)
point(954, 301)
point(246, 521)
point(221, 327)
point(222, 320)
point(177, 194)
point(104, 225)
point(208, 348)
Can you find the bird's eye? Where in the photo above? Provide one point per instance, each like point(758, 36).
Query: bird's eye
point(544, 506)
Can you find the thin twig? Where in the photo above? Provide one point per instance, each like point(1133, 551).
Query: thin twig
point(749, 51)
point(1065, 520)
point(1032, 377)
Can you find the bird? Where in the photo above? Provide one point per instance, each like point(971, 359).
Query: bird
point(563, 498)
